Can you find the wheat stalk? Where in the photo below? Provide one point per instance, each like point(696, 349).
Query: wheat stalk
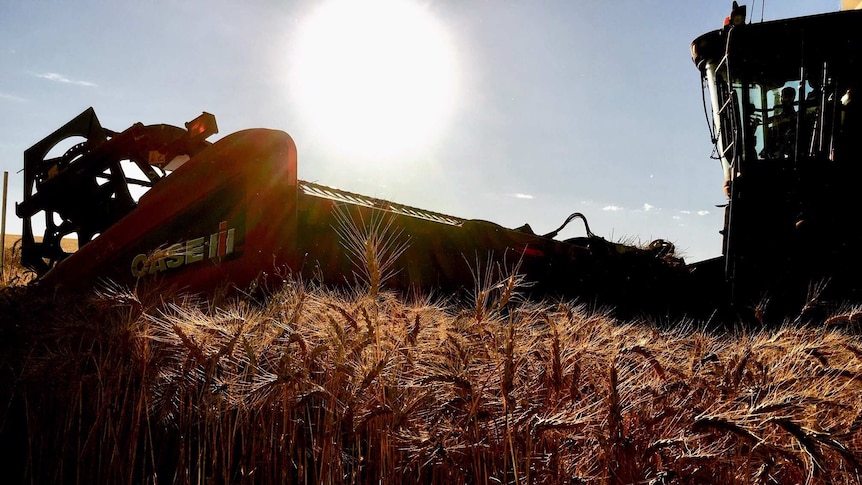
point(373, 247)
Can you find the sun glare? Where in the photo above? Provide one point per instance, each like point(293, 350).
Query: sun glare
point(375, 78)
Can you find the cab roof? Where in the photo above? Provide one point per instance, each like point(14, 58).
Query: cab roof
point(837, 34)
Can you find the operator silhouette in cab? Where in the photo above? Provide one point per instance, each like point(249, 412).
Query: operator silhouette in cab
point(782, 129)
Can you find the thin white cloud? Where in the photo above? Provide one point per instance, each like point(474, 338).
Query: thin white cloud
point(702, 213)
point(685, 212)
point(612, 208)
point(676, 218)
point(522, 196)
point(648, 207)
point(12, 97)
point(53, 76)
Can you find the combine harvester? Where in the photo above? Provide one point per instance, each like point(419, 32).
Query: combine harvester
point(234, 213)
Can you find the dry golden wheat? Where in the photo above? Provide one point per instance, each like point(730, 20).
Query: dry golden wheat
point(319, 386)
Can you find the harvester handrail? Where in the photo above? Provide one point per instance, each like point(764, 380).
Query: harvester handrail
point(326, 192)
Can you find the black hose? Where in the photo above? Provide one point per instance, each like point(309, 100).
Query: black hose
point(576, 215)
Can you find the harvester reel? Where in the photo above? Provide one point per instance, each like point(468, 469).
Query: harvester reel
point(87, 188)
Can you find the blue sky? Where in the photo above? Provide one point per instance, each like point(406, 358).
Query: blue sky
point(562, 106)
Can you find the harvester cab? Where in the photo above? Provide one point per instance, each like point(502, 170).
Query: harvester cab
point(785, 121)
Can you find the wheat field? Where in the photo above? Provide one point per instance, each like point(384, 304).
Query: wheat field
point(304, 384)
point(12, 273)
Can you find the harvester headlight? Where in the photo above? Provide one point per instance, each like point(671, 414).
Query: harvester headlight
point(202, 126)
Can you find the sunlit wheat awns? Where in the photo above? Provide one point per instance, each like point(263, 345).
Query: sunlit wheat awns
point(496, 285)
point(373, 246)
point(323, 386)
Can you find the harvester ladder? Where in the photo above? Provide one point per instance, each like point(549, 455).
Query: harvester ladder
point(728, 143)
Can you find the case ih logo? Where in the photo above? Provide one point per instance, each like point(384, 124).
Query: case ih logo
point(220, 244)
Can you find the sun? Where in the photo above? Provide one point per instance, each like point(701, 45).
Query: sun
point(374, 79)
